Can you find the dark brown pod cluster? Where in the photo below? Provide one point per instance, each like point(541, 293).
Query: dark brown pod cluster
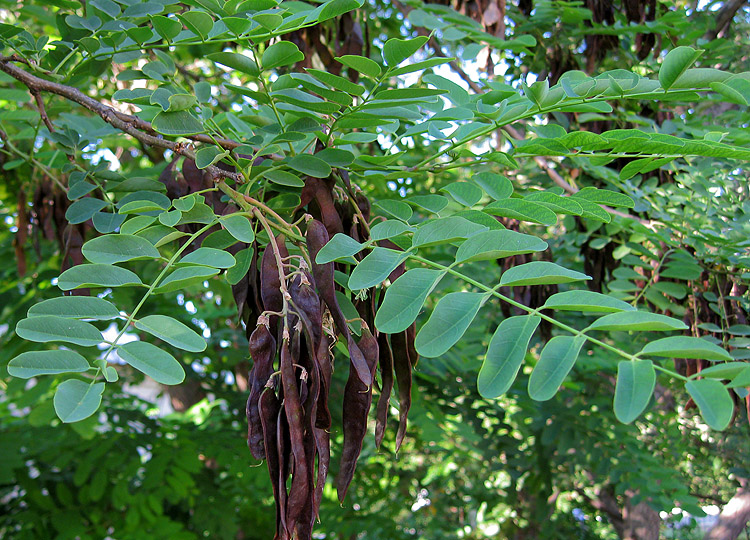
point(289, 423)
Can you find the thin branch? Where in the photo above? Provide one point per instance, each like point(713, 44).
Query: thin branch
point(132, 125)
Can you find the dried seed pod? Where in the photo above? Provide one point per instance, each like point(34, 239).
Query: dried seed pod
point(402, 367)
point(269, 408)
point(317, 237)
point(298, 492)
point(357, 401)
point(270, 283)
point(262, 351)
point(385, 359)
point(323, 414)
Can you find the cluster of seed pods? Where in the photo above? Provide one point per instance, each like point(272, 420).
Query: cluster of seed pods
point(288, 409)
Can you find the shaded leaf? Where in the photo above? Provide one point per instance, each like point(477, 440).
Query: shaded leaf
point(172, 331)
point(637, 321)
point(33, 363)
point(404, 299)
point(96, 275)
point(46, 328)
point(635, 385)
point(75, 400)
point(505, 355)
point(496, 244)
point(685, 347)
point(448, 322)
point(152, 361)
point(540, 273)
point(114, 248)
point(375, 268)
point(75, 307)
point(713, 400)
point(555, 362)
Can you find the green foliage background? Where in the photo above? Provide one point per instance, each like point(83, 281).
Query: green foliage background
point(472, 466)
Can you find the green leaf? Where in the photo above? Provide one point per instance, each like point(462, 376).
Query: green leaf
point(336, 82)
point(539, 273)
point(76, 307)
point(431, 203)
point(404, 299)
point(33, 363)
point(209, 155)
point(449, 320)
point(239, 270)
point(419, 66)
point(495, 185)
point(522, 210)
point(169, 219)
point(106, 222)
point(205, 256)
point(677, 61)
point(397, 50)
point(350, 312)
point(603, 196)
point(239, 227)
point(556, 203)
point(685, 347)
point(177, 123)
point(96, 275)
point(152, 361)
point(388, 229)
point(742, 379)
point(185, 277)
point(46, 328)
point(284, 178)
point(505, 355)
point(75, 400)
point(728, 370)
point(496, 244)
point(637, 321)
point(464, 193)
point(635, 385)
point(586, 301)
point(83, 210)
point(555, 362)
point(198, 22)
point(398, 209)
point(593, 211)
point(166, 27)
point(236, 61)
point(713, 400)
point(341, 246)
point(361, 64)
point(172, 331)
point(444, 231)
point(114, 248)
point(280, 54)
point(310, 165)
point(375, 268)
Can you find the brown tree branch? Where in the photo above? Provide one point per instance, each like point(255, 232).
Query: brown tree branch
point(723, 17)
point(132, 125)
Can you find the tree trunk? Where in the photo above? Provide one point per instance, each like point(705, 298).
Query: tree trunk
point(733, 517)
point(641, 522)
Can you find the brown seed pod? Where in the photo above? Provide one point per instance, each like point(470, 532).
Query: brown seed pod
point(357, 401)
point(317, 237)
point(385, 360)
point(262, 351)
point(402, 367)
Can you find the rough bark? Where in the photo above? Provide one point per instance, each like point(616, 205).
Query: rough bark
point(641, 522)
point(733, 518)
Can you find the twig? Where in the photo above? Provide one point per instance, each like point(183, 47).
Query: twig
point(132, 125)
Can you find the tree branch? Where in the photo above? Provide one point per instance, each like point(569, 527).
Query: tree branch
point(132, 125)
